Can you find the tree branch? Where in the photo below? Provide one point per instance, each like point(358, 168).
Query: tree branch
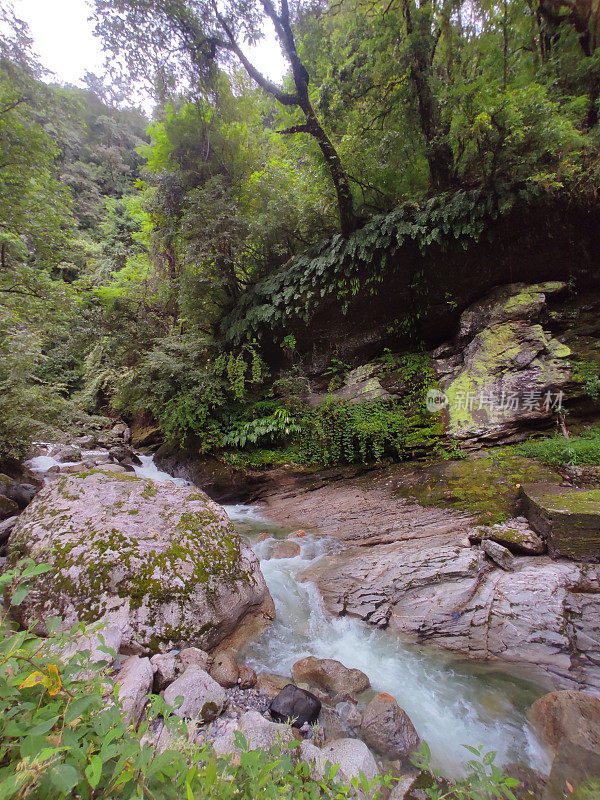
point(284, 98)
point(304, 128)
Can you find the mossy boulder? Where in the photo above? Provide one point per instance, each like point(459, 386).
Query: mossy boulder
point(568, 519)
point(160, 561)
point(504, 372)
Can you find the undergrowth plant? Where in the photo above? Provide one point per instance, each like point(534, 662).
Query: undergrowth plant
point(580, 450)
point(63, 735)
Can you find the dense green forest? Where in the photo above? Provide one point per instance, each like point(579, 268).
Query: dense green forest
point(164, 269)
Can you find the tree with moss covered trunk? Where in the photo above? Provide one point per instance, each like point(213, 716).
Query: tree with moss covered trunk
point(182, 39)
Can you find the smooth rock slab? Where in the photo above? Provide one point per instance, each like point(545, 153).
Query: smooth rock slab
point(203, 698)
point(545, 615)
point(161, 562)
point(567, 519)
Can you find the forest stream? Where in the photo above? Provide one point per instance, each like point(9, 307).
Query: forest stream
point(452, 703)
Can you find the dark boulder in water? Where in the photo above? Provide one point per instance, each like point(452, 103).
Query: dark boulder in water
point(295, 705)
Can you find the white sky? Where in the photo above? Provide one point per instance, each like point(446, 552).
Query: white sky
point(65, 44)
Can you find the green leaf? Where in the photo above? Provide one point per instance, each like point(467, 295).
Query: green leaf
point(64, 777)
point(93, 771)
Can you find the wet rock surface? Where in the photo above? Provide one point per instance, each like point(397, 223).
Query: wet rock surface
point(295, 705)
point(410, 568)
point(330, 676)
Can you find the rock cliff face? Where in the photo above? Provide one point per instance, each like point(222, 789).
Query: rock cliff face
point(162, 563)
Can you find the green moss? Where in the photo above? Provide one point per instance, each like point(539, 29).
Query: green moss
point(486, 485)
point(586, 502)
point(150, 490)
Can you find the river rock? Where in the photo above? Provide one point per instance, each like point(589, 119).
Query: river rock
point(295, 705)
point(258, 732)
point(225, 669)
point(6, 528)
point(270, 684)
point(193, 656)
point(203, 698)
point(568, 716)
point(537, 616)
point(284, 549)
point(568, 519)
point(161, 562)
point(387, 728)
point(500, 555)
point(134, 682)
point(501, 367)
point(166, 668)
point(67, 453)
point(353, 756)
point(8, 507)
point(330, 675)
point(515, 535)
point(21, 493)
point(247, 678)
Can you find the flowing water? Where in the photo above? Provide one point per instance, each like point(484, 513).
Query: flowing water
point(451, 703)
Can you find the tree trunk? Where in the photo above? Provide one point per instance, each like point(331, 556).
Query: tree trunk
point(438, 151)
point(348, 219)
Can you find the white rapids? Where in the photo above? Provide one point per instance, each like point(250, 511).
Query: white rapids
point(451, 703)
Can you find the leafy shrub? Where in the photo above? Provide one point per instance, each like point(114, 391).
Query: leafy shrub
point(556, 450)
point(280, 425)
point(341, 431)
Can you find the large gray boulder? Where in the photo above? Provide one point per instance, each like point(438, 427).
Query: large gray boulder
point(498, 372)
point(160, 562)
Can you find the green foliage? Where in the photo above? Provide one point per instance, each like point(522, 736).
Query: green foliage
point(262, 458)
point(280, 425)
point(484, 780)
point(588, 374)
point(556, 450)
point(343, 432)
point(343, 268)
